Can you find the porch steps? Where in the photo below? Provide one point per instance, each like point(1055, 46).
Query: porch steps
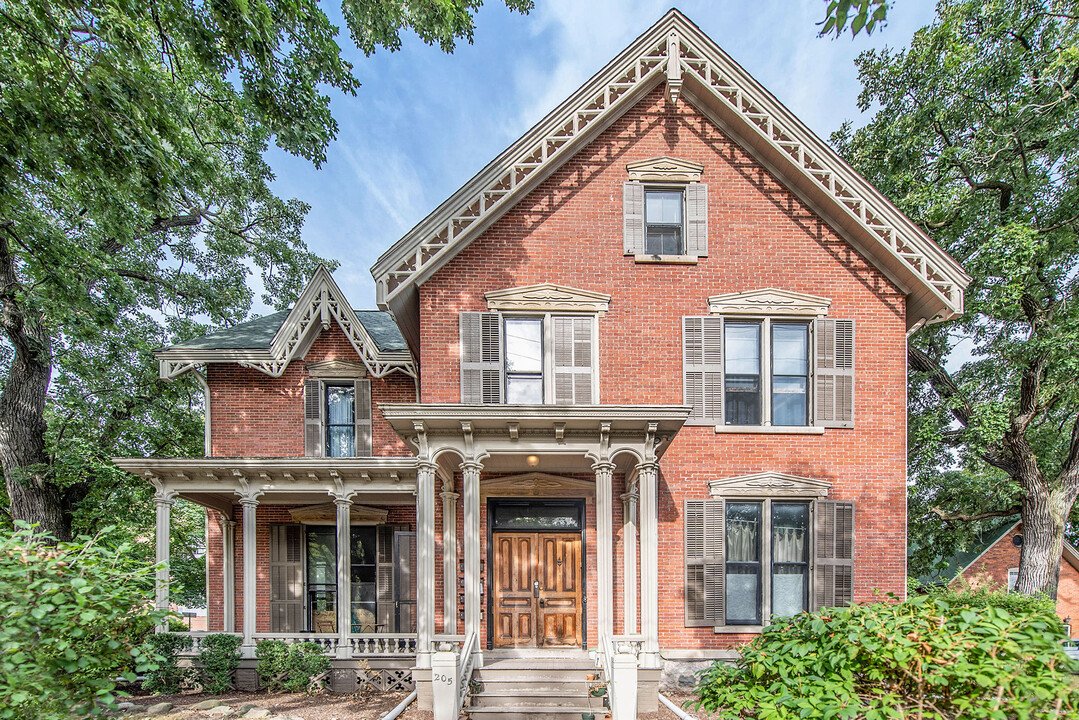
point(530, 688)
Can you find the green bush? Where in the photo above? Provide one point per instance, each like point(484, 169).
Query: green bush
point(939, 657)
point(74, 619)
point(301, 667)
point(166, 678)
point(218, 660)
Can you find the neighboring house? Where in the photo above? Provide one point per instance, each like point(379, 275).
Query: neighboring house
point(634, 389)
point(992, 561)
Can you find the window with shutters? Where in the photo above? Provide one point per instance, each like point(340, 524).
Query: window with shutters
point(749, 560)
point(528, 358)
point(337, 418)
point(769, 372)
point(665, 211)
point(663, 221)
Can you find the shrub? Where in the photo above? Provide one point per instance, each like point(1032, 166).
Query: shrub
point(291, 668)
point(929, 658)
point(74, 619)
point(166, 677)
point(218, 660)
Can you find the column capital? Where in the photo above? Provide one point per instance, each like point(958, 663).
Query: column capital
point(603, 466)
point(165, 497)
point(471, 466)
point(343, 497)
point(427, 467)
point(648, 466)
point(446, 495)
point(250, 498)
point(630, 497)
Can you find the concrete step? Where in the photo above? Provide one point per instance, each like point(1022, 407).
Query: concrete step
point(512, 697)
point(534, 712)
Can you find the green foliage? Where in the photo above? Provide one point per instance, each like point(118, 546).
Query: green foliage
point(861, 14)
point(939, 657)
point(983, 597)
point(975, 135)
point(217, 662)
point(300, 667)
point(166, 678)
point(74, 619)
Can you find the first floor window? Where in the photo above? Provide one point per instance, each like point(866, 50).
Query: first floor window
point(749, 560)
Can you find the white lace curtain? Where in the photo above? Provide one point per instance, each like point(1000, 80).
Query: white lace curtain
point(743, 540)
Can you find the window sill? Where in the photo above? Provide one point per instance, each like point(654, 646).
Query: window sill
point(771, 429)
point(666, 259)
point(738, 629)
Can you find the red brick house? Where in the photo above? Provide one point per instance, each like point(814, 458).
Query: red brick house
point(634, 389)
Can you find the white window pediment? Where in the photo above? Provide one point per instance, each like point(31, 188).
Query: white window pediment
point(769, 484)
point(328, 511)
point(336, 369)
point(547, 297)
point(665, 169)
point(769, 301)
point(536, 484)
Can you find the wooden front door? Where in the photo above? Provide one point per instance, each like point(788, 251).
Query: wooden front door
point(536, 589)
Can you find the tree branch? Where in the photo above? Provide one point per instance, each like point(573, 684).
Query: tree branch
point(961, 517)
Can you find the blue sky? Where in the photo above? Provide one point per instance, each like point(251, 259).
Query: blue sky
point(424, 122)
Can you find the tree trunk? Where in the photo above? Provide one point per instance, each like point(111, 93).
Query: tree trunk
point(1044, 516)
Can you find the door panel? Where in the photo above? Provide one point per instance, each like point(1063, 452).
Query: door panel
point(512, 596)
point(537, 590)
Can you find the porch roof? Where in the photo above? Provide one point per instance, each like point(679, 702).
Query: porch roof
point(219, 482)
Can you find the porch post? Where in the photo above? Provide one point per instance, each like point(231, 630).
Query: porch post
point(425, 557)
point(250, 505)
point(648, 479)
point(604, 548)
point(449, 556)
point(163, 500)
point(344, 574)
point(470, 472)
point(629, 557)
point(228, 567)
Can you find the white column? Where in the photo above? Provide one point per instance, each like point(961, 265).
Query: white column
point(344, 574)
point(449, 557)
point(604, 548)
point(629, 557)
point(163, 500)
point(250, 505)
point(228, 568)
point(648, 480)
point(470, 472)
point(425, 561)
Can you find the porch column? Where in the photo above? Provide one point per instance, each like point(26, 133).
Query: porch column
point(425, 561)
point(163, 500)
point(470, 472)
point(250, 505)
point(648, 480)
point(449, 557)
point(604, 548)
point(344, 573)
point(228, 567)
point(629, 557)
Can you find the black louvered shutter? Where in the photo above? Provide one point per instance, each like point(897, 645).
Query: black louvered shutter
point(286, 579)
point(702, 367)
point(481, 358)
point(833, 379)
point(704, 556)
point(312, 418)
point(363, 417)
point(633, 218)
point(833, 580)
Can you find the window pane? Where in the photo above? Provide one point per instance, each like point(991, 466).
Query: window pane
point(742, 348)
point(524, 390)
point(663, 240)
point(341, 441)
point(743, 532)
point(742, 401)
point(339, 405)
point(789, 344)
point(524, 345)
point(789, 532)
point(663, 206)
point(742, 605)
point(789, 401)
point(788, 591)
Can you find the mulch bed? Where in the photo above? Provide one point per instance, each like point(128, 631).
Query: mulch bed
point(324, 706)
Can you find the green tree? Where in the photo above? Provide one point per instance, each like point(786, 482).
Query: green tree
point(975, 135)
point(135, 203)
point(858, 14)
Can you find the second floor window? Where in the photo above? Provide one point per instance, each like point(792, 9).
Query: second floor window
point(528, 359)
point(340, 428)
point(337, 417)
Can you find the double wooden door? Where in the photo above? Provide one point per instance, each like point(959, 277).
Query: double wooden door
point(536, 589)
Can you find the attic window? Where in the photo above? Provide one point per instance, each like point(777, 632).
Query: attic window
point(665, 211)
point(663, 226)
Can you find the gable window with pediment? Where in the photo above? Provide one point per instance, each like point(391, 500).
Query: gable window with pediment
point(535, 345)
point(337, 410)
point(665, 211)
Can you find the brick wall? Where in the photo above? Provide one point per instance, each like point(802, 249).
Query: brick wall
point(991, 570)
point(569, 231)
point(255, 415)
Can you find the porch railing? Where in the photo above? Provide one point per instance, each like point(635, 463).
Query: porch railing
point(359, 644)
point(197, 636)
point(465, 662)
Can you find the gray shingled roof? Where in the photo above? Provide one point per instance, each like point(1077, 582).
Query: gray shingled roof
point(257, 334)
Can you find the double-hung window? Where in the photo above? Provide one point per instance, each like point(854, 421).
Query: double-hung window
point(744, 372)
point(528, 358)
point(340, 429)
point(663, 228)
point(337, 417)
point(665, 211)
point(751, 559)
